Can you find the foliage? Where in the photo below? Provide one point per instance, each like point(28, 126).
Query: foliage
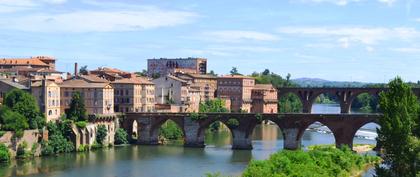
point(326, 99)
point(217, 174)
point(212, 73)
point(290, 103)
point(197, 116)
point(259, 117)
point(234, 71)
point(216, 105)
point(366, 103)
point(120, 136)
point(2, 133)
point(101, 134)
point(77, 110)
point(83, 148)
point(320, 162)
point(4, 154)
point(22, 152)
point(232, 123)
point(399, 131)
point(81, 124)
point(84, 70)
point(25, 104)
point(57, 142)
point(143, 73)
point(170, 130)
point(13, 121)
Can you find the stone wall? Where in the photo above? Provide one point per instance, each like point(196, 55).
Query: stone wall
point(87, 135)
point(31, 137)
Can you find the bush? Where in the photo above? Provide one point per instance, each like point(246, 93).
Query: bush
point(196, 116)
point(81, 124)
point(23, 153)
point(83, 148)
point(321, 161)
point(101, 134)
point(4, 154)
point(121, 136)
point(232, 123)
point(57, 141)
point(171, 131)
point(13, 121)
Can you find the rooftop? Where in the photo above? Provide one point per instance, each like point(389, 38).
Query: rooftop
point(13, 84)
point(235, 77)
point(135, 80)
point(79, 83)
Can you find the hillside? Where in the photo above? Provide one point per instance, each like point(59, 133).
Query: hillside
point(316, 82)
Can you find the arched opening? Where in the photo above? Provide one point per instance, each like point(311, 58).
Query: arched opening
point(170, 133)
point(317, 134)
point(217, 134)
point(365, 138)
point(268, 138)
point(134, 130)
point(290, 103)
point(326, 103)
point(365, 103)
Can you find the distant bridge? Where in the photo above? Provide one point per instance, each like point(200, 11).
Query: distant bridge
point(346, 96)
point(343, 126)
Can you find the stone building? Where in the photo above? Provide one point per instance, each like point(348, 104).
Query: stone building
point(174, 91)
point(111, 74)
point(264, 99)
point(87, 136)
point(7, 85)
point(47, 94)
point(134, 95)
point(238, 89)
point(204, 83)
point(165, 66)
point(98, 97)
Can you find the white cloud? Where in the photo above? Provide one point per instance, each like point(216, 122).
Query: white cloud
point(345, 36)
point(99, 21)
point(9, 6)
point(344, 2)
point(414, 50)
point(239, 35)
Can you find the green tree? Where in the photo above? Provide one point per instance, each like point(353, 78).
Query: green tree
point(24, 103)
point(57, 141)
point(84, 70)
point(77, 110)
point(212, 73)
point(234, 71)
point(266, 72)
point(4, 154)
point(121, 136)
point(143, 73)
point(398, 127)
point(101, 134)
point(13, 121)
point(216, 105)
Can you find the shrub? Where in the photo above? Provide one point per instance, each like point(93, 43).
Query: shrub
point(57, 141)
point(171, 131)
point(321, 161)
point(101, 133)
point(83, 148)
point(232, 123)
point(121, 136)
point(22, 153)
point(13, 121)
point(196, 116)
point(4, 154)
point(81, 124)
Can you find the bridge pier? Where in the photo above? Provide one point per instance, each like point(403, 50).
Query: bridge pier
point(191, 135)
point(291, 139)
point(240, 139)
point(145, 135)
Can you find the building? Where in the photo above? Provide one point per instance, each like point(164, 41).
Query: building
point(7, 85)
point(165, 66)
point(98, 97)
point(264, 99)
point(31, 62)
point(111, 74)
point(205, 84)
point(47, 94)
point(134, 95)
point(174, 91)
point(237, 90)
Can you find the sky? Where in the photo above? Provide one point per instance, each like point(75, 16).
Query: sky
point(342, 40)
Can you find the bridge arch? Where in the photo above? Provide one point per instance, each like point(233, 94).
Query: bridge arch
point(326, 97)
point(360, 99)
point(366, 134)
point(155, 128)
point(206, 125)
point(324, 129)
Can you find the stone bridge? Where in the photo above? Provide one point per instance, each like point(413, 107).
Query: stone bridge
point(343, 126)
point(345, 96)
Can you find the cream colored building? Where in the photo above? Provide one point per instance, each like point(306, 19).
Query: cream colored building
point(98, 97)
point(134, 95)
point(205, 84)
point(178, 92)
point(47, 94)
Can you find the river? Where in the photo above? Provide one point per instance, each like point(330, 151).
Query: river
point(173, 160)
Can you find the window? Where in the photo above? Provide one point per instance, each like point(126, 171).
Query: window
point(49, 112)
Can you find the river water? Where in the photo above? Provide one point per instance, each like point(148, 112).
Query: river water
point(174, 160)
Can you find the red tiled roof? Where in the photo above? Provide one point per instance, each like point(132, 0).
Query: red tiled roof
point(22, 61)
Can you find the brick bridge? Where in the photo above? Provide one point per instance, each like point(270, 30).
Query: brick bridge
point(343, 126)
point(345, 96)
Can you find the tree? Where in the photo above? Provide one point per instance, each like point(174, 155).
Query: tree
point(101, 134)
point(83, 70)
point(143, 73)
point(216, 105)
point(13, 121)
point(77, 110)
point(4, 154)
point(234, 71)
point(212, 73)
point(24, 103)
point(398, 127)
point(121, 136)
point(57, 141)
point(266, 72)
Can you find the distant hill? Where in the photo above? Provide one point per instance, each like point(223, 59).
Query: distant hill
point(316, 82)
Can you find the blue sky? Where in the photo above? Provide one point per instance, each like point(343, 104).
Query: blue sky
point(345, 40)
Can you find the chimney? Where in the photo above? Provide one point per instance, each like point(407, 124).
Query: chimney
point(75, 70)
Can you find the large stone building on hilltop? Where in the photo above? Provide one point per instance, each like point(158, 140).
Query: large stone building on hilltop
point(165, 66)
